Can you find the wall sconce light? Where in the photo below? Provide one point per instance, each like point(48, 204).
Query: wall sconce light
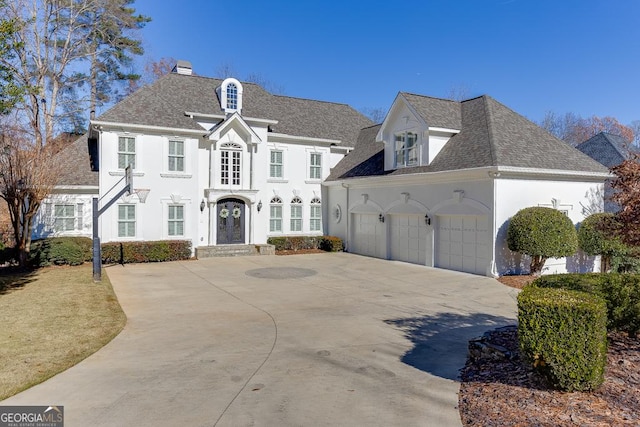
point(259, 205)
point(202, 205)
point(381, 218)
point(427, 220)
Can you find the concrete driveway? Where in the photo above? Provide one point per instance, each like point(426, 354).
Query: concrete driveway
point(305, 340)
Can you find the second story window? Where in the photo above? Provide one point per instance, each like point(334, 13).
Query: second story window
point(230, 164)
point(176, 156)
point(406, 149)
point(315, 166)
point(275, 166)
point(126, 152)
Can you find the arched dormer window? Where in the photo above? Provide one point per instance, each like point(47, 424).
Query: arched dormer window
point(230, 92)
point(232, 96)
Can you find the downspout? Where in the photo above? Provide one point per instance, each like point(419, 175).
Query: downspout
point(494, 238)
point(348, 215)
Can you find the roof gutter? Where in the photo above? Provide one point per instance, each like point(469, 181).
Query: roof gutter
point(294, 138)
point(490, 172)
point(98, 125)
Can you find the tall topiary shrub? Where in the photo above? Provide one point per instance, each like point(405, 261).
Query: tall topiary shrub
point(541, 233)
point(597, 235)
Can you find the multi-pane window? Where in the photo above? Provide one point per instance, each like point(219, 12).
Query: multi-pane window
point(296, 214)
point(315, 217)
point(275, 214)
point(406, 149)
point(176, 156)
point(275, 165)
point(126, 220)
point(232, 96)
point(230, 165)
point(315, 166)
point(126, 152)
point(64, 217)
point(176, 220)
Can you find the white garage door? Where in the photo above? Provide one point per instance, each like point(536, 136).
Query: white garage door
point(462, 243)
point(367, 235)
point(408, 238)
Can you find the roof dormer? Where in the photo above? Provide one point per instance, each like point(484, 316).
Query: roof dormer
point(230, 96)
point(413, 131)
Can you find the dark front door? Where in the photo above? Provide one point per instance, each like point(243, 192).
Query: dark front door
point(230, 221)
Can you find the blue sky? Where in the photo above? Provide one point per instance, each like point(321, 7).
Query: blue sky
point(532, 55)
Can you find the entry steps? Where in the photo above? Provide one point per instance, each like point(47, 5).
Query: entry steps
point(234, 250)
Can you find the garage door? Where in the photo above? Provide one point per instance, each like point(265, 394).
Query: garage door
point(367, 235)
point(408, 235)
point(462, 243)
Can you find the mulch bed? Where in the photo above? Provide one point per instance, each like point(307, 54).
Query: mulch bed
point(508, 392)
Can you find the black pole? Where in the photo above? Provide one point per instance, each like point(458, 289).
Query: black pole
point(97, 256)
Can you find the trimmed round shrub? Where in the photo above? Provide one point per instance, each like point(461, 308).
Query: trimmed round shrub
point(541, 233)
point(563, 334)
point(597, 235)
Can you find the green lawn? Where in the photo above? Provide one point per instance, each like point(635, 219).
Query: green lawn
point(52, 319)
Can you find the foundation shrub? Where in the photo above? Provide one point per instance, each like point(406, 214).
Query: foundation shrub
point(331, 244)
point(621, 293)
point(137, 252)
point(60, 251)
point(296, 243)
point(563, 334)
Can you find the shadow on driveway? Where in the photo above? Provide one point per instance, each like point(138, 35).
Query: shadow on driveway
point(441, 341)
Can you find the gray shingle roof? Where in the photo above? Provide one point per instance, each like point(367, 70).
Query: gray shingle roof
point(437, 112)
point(164, 103)
point(490, 135)
point(76, 168)
point(608, 149)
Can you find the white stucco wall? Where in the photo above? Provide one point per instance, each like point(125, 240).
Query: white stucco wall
point(44, 222)
point(151, 172)
point(576, 198)
point(437, 197)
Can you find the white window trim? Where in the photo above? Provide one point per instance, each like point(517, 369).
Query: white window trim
point(300, 219)
point(186, 203)
point(405, 162)
point(281, 206)
point(166, 173)
point(323, 162)
point(223, 95)
point(135, 150)
point(312, 204)
point(285, 163)
point(230, 148)
point(138, 170)
point(136, 234)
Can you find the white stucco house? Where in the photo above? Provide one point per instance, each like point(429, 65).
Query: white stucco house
point(222, 163)
point(217, 162)
point(436, 183)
